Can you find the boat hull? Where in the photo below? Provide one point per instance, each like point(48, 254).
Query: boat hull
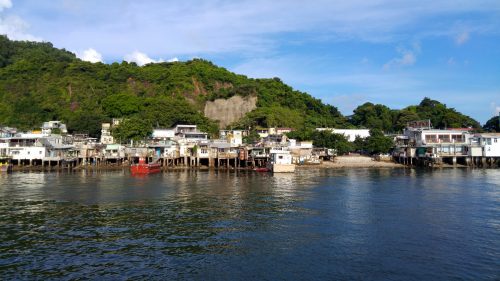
point(145, 168)
point(6, 168)
point(263, 169)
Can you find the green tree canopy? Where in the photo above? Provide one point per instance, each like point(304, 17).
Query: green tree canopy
point(493, 124)
point(134, 128)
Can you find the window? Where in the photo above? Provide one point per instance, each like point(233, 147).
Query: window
point(444, 138)
point(495, 140)
point(488, 141)
point(280, 157)
point(430, 138)
point(457, 138)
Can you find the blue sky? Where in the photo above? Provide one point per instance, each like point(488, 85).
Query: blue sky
point(343, 52)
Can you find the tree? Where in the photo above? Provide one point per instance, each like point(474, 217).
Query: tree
point(328, 139)
point(252, 138)
point(378, 143)
point(371, 115)
point(122, 104)
point(492, 125)
point(133, 128)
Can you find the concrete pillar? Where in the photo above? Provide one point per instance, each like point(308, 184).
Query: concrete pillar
point(454, 161)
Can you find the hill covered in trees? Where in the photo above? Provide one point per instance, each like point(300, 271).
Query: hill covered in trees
point(39, 83)
point(379, 116)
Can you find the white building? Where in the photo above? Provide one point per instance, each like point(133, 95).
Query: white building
point(49, 127)
point(106, 137)
point(280, 161)
point(163, 134)
point(350, 134)
point(185, 129)
point(234, 137)
point(490, 143)
point(423, 137)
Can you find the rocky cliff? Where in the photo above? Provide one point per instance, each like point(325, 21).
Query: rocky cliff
point(227, 111)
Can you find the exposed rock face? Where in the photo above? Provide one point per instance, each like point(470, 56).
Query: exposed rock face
point(230, 110)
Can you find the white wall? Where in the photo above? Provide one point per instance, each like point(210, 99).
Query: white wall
point(351, 134)
point(163, 133)
point(27, 153)
point(491, 145)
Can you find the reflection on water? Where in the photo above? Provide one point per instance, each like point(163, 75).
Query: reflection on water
point(314, 224)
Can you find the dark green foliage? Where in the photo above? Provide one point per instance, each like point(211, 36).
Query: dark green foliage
point(371, 115)
point(325, 139)
point(134, 128)
point(377, 116)
point(252, 138)
point(492, 125)
point(122, 104)
point(377, 143)
point(40, 83)
point(86, 122)
point(443, 117)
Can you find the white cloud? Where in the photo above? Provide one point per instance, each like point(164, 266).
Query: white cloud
point(90, 55)
point(174, 59)
point(257, 26)
point(495, 108)
point(462, 38)
point(13, 26)
point(407, 58)
point(5, 4)
point(140, 58)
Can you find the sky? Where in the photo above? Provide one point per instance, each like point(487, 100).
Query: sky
point(345, 53)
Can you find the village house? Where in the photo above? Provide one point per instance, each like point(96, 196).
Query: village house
point(489, 143)
point(234, 137)
point(7, 132)
point(54, 127)
point(302, 152)
point(163, 134)
point(106, 137)
point(438, 142)
point(34, 149)
point(350, 134)
point(282, 131)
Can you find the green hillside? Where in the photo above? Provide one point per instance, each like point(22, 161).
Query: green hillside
point(378, 116)
point(39, 83)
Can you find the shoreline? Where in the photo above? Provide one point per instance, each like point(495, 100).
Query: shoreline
point(353, 161)
point(340, 162)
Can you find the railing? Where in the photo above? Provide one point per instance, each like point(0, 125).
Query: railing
point(227, 155)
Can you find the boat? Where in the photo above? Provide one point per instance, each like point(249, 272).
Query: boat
point(144, 168)
point(261, 169)
point(5, 166)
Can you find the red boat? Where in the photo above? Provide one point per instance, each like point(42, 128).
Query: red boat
point(145, 168)
point(261, 169)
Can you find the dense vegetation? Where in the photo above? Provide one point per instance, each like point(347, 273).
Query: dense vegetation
point(378, 116)
point(39, 83)
point(492, 125)
point(376, 143)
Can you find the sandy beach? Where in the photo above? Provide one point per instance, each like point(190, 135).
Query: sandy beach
point(354, 161)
